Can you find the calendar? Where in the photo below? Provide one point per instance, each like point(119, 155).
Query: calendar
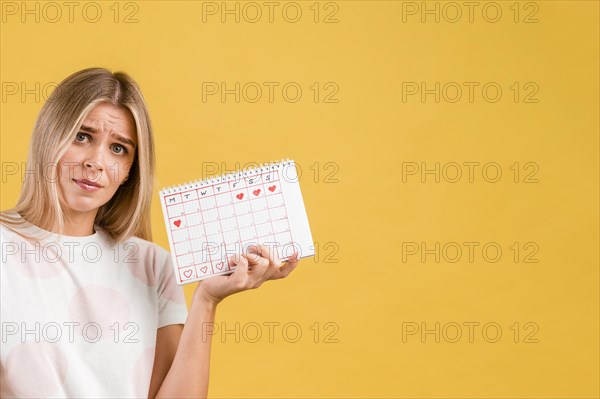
point(210, 220)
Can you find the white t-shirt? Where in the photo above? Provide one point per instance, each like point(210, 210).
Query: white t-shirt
point(79, 317)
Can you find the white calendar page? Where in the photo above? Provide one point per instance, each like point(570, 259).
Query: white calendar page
point(209, 221)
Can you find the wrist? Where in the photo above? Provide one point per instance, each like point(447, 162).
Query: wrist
point(202, 296)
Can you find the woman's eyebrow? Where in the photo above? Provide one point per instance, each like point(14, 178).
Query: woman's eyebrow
point(88, 129)
point(122, 139)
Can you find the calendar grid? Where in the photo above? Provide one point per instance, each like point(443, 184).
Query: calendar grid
point(253, 218)
point(235, 214)
point(222, 236)
point(204, 254)
point(271, 218)
point(187, 233)
point(230, 211)
point(272, 235)
point(248, 188)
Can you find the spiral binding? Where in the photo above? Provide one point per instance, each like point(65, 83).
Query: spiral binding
point(248, 171)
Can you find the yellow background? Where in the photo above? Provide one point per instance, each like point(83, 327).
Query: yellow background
point(368, 135)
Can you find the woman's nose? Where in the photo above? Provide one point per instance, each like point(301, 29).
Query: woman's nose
point(93, 164)
point(94, 161)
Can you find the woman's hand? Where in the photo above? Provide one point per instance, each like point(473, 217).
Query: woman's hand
point(252, 269)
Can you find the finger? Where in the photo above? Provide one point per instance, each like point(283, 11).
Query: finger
point(288, 267)
point(253, 258)
point(261, 265)
point(294, 257)
point(274, 257)
point(243, 278)
point(284, 271)
point(256, 261)
point(240, 263)
point(265, 252)
point(257, 264)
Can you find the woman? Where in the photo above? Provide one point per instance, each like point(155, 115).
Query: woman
point(89, 304)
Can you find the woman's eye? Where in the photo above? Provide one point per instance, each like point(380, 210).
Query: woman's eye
point(119, 149)
point(79, 135)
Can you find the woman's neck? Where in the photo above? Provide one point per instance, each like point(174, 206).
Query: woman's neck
point(80, 225)
point(77, 225)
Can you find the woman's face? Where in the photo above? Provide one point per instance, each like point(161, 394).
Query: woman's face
point(99, 159)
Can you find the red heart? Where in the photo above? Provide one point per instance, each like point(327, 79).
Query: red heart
point(272, 188)
point(177, 223)
point(240, 196)
point(187, 273)
point(203, 269)
point(256, 192)
point(220, 265)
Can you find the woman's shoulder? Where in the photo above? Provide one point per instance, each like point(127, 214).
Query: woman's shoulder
point(146, 250)
point(12, 226)
point(149, 261)
point(143, 243)
point(6, 232)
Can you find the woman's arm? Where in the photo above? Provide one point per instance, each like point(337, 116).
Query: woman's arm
point(188, 375)
point(167, 341)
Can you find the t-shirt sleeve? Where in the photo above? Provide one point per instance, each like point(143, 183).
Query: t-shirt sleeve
point(172, 307)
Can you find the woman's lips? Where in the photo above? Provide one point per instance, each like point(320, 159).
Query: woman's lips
point(87, 185)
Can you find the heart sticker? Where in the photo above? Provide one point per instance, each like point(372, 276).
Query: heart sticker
point(256, 192)
point(240, 196)
point(203, 269)
point(187, 273)
point(177, 223)
point(272, 188)
point(220, 265)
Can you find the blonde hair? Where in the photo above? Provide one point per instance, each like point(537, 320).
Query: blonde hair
point(127, 213)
